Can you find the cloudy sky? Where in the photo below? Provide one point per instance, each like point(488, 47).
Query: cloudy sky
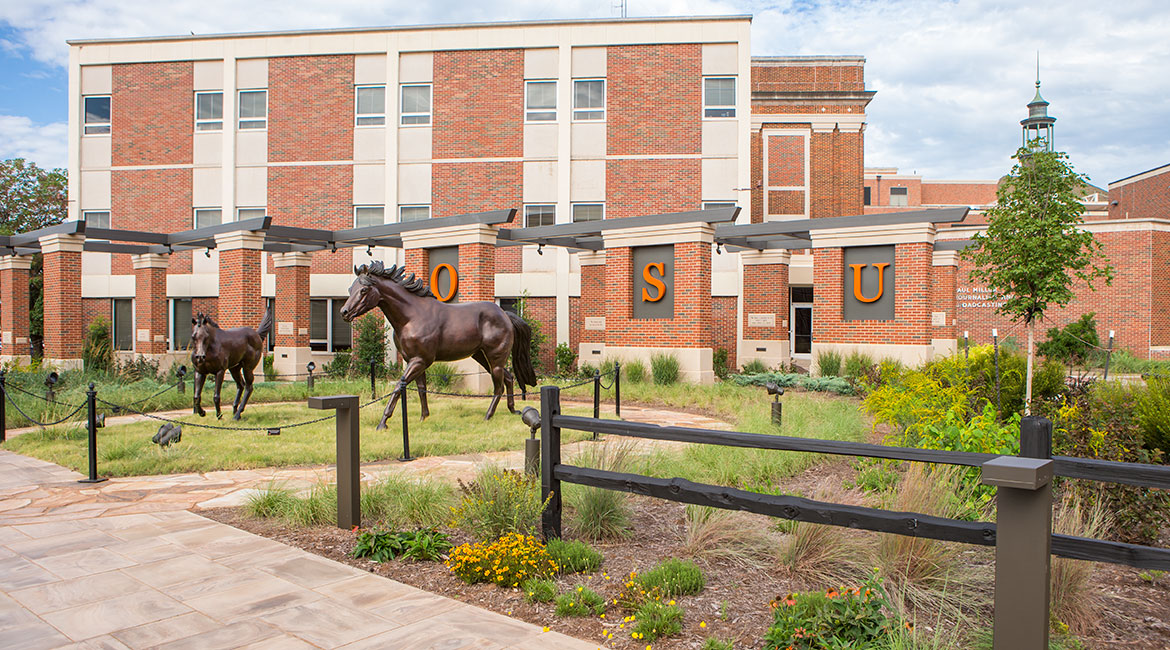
point(952, 78)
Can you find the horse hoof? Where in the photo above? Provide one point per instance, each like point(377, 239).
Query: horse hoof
point(381, 426)
point(236, 417)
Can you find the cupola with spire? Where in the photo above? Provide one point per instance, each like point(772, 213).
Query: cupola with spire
point(1038, 126)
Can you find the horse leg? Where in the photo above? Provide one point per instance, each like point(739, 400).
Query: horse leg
point(412, 372)
point(498, 390)
point(421, 385)
point(199, 379)
point(239, 389)
point(218, 386)
point(249, 379)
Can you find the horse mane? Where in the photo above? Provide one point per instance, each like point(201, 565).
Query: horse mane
point(417, 286)
point(202, 318)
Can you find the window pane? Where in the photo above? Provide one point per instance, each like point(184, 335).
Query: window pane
point(363, 217)
point(123, 324)
point(588, 212)
point(540, 215)
point(342, 331)
point(719, 92)
point(589, 94)
point(253, 104)
point(371, 101)
point(204, 218)
point(250, 213)
point(416, 99)
point(542, 94)
point(97, 219)
point(414, 212)
point(181, 317)
point(97, 110)
point(209, 106)
point(716, 205)
point(318, 320)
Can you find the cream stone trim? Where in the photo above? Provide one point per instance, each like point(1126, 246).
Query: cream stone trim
point(653, 235)
point(59, 243)
point(229, 241)
point(765, 257)
point(1157, 171)
point(15, 262)
point(1112, 225)
point(591, 258)
point(535, 285)
point(830, 120)
point(150, 261)
point(903, 233)
point(945, 258)
point(295, 258)
point(477, 233)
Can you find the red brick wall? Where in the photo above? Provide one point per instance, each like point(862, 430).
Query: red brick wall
point(1148, 198)
point(944, 300)
point(292, 305)
point(958, 193)
point(240, 304)
point(724, 321)
point(154, 200)
point(757, 187)
point(310, 109)
point(150, 309)
point(462, 188)
point(93, 308)
point(785, 160)
point(478, 100)
point(880, 193)
point(592, 302)
point(1159, 289)
point(765, 291)
point(691, 325)
point(317, 196)
point(792, 78)
point(912, 305)
point(207, 307)
point(14, 308)
point(477, 272)
point(639, 187)
point(848, 173)
point(418, 261)
point(64, 326)
point(654, 100)
point(544, 310)
point(152, 114)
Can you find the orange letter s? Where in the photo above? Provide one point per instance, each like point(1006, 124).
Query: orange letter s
point(654, 282)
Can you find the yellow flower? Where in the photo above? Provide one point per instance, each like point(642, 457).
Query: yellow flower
point(545, 629)
point(702, 623)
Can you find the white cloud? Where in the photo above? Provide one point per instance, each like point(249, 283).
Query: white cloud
point(44, 144)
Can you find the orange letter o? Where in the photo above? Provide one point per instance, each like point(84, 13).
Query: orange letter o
point(654, 282)
point(435, 282)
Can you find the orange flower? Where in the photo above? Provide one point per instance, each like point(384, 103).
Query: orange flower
point(832, 593)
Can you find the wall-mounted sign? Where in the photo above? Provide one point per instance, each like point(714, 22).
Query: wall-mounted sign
point(761, 320)
point(284, 327)
point(653, 281)
point(977, 298)
point(596, 323)
point(444, 276)
point(869, 283)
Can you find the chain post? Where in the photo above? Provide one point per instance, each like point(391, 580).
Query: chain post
point(1108, 356)
point(998, 400)
point(373, 380)
point(3, 406)
point(596, 398)
point(617, 389)
point(406, 457)
point(91, 422)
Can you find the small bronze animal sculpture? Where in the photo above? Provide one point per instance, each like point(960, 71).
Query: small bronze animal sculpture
point(426, 331)
point(167, 434)
point(215, 350)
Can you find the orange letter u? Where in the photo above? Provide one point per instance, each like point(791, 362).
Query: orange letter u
point(881, 269)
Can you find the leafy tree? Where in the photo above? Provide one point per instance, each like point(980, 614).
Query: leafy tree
point(1034, 251)
point(31, 198)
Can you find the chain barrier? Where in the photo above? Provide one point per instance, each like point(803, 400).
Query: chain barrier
point(36, 395)
point(38, 422)
point(216, 427)
point(536, 389)
point(149, 397)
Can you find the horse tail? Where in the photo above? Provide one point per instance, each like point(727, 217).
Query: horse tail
point(265, 324)
point(521, 351)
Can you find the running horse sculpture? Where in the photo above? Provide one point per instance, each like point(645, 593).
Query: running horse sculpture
point(426, 331)
point(215, 350)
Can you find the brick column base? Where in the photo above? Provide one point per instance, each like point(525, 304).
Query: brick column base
point(64, 323)
point(14, 325)
point(151, 325)
point(291, 353)
point(764, 329)
point(240, 265)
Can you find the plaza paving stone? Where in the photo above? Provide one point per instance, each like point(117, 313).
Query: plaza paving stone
point(129, 564)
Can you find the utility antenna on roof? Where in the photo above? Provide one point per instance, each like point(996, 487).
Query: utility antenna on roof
point(1037, 68)
point(620, 5)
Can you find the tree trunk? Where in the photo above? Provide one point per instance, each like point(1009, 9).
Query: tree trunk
point(1028, 382)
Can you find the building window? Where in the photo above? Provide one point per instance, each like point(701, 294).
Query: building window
point(719, 97)
point(865, 196)
point(588, 212)
point(413, 212)
point(253, 109)
point(96, 219)
point(123, 324)
point(205, 217)
point(718, 205)
point(208, 111)
point(327, 331)
point(270, 307)
point(589, 99)
point(510, 304)
point(540, 101)
point(250, 213)
point(368, 215)
point(370, 105)
point(416, 104)
point(180, 324)
point(540, 215)
point(97, 115)
point(899, 196)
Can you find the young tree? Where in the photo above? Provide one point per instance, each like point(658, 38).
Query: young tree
point(1035, 251)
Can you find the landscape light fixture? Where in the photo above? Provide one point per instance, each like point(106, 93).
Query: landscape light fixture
point(531, 417)
point(540, 249)
point(775, 390)
point(207, 252)
point(51, 381)
point(310, 367)
point(719, 248)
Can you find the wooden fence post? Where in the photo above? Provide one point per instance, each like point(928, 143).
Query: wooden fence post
point(349, 484)
point(550, 458)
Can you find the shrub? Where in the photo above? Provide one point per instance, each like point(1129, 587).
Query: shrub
point(385, 546)
point(718, 533)
point(539, 590)
point(573, 557)
point(818, 384)
point(338, 366)
point(585, 370)
point(98, 351)
point(655, 619)
point(847, 618)
point(369, 345)
point(754, 367)
point(565, 358)
point(507, 562)
point(981, 434)
point(441, 375)
point(1075, 606)
point(599, 513)
point(269, 367)
point(858, 366)
point(829, 363)
point(1153, 412)
point(398, 502)
point(712, 643)
point(499, 502)
point(673, 577)
point(664, 368)
point(635, 371)
point(719, 363)
point(538, 336)
point(581, 601)
point(1072, 344)
point(138, 368)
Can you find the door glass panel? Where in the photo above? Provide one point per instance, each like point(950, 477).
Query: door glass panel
point(802, 330)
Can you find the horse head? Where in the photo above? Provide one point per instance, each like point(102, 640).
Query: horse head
point(364, 294)
point(203, 330)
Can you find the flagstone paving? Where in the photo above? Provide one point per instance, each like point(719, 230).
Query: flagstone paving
point(128, 563)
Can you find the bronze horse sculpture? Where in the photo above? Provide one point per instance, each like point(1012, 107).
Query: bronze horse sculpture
point(426, 331)
point(215, 350)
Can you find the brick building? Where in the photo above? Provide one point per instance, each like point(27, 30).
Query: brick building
point(587, 129)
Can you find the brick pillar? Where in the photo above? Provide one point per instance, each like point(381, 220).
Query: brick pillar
point(151, 326)
point(14, 327)
point(764, 321)
point(292, 353)
point(240, 266)
point(477, 272)
point(944, 315)
point(591, 348)
point(64, 323)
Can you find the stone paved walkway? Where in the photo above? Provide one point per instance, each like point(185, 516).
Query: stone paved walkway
point(127, 564)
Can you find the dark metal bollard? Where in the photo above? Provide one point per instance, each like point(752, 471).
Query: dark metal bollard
point(406, 457)
point(966, 344)
point(998, 401)
point(349, 484)
point(617, 389)
point(91, 422)
point(3, 406)
point(1023, 544)
point(1108, 354)
point(550, 458)
point(373, 380)
point(596, 398)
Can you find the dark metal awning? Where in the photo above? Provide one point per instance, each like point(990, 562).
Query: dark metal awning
point(589, 235)
point(797, 233)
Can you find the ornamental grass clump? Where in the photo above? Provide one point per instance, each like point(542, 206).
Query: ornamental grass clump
point(573, 557)
point(539, 590)
point(664, 368)
point(656, 619)
point(580, 601)
point(507, 562)
point(498, 502)
point(673, 577)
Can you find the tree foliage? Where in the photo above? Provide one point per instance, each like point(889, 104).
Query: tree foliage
point(1073, 343)
point(30, 197)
